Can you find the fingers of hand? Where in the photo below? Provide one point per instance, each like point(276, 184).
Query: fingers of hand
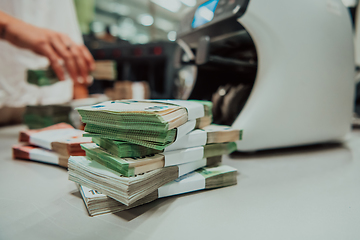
point(88, 57)
point(75, 61)
point(80, 63)
point(55, 60)
point(65, 54)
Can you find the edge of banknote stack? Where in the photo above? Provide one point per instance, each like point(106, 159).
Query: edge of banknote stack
point(144, 150)
point(53, 144)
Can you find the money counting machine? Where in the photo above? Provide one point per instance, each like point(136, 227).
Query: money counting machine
point(283, 71)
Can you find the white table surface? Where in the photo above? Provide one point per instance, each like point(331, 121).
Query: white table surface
point(299, 193)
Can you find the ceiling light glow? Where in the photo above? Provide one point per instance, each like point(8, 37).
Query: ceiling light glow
point(171, 36)
point(145, 19)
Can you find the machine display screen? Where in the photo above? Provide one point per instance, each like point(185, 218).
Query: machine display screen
point(204, 13)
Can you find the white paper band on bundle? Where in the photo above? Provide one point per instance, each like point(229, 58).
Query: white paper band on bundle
point(45, 138)
point(138, 90)
point(187, 183)
point(194, 138)
point(191, 166)
point(183, 156)
point(43, 155)
point(184, 129)
point(194, 109)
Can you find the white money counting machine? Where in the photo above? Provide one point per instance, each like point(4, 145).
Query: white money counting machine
point(283, 71)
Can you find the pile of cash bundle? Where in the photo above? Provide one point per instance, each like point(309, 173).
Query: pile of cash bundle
point(104, 70)
point(41, 77)
point(128, 90)
point(40, 116)
point(143, 150)
point(54, 144)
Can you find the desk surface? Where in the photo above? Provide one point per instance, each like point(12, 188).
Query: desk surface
point(299, 193)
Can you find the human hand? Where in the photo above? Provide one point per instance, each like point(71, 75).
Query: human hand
point(57, 47)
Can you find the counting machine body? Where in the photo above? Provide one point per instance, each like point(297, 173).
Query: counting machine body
point(304, 85)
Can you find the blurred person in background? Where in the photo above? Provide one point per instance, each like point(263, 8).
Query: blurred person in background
point(33, 35)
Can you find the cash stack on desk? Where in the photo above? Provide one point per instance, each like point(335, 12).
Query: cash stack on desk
point(201, 179)
point(54, 144)
point(40, 116)
point(140, 146)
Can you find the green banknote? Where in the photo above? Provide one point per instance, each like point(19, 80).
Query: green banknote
point(42, 77)
point(125, 166)
point(124, 149)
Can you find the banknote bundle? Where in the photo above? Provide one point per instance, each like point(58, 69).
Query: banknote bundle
point(24, 135)
point(141, 146)
point(198, 137)
point(129, 90)
point(38, 154)
point(53, 144)
point(152, 124)
point(104, 70)
point(133, 166)
point(40, 116)
point(42, 77)
point(203, 178)
point(127, 190)
point(61, 138)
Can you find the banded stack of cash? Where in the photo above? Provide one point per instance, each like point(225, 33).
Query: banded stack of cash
point(129, 90)
point(104, 70)
point(153, 124)
point(142, 145)
point(203, 178)
point(42, 77)
point(40, 116)
point(206, 136)
point(38, 154)
point(54, 144)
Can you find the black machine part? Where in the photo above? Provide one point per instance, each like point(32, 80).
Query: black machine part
point(224, 62)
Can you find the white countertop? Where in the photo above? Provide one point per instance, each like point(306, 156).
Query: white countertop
point(289, 194)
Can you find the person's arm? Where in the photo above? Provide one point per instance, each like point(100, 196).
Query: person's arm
point(57, 47)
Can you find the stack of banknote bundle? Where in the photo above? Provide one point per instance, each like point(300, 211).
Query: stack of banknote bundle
point(201, 179)
point(153, 124)
point(129, 90)
point(54, 144)
point(42, 77)
point(104, 70)
point(140, 146)
point(40, 116)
